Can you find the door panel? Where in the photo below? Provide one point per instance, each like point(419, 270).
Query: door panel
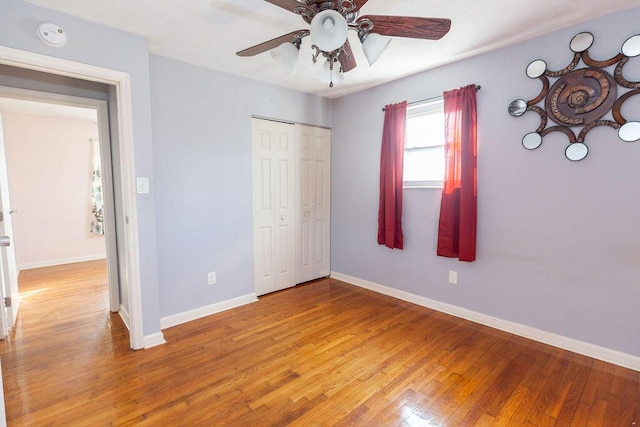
point(313, 207)
point(319, 248)
point(267, 253)
point(322, 208)
point(9, 269)
point(273, 205)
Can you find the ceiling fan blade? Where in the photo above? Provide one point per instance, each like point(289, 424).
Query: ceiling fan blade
point(273, 43)
point(406, 26)
point(359, 4)
point(346, 58)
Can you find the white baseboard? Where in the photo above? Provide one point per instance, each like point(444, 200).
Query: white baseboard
point(124, 315)
point(153, 340)
point(148, 341)
point(576, 346)
point(54, 262)
point(197, 313)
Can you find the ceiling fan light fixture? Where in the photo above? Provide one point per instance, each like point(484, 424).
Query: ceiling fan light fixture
point(329, 30)
point(373, 45)
point(286, 55)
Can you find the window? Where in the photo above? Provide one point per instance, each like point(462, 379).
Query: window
point(424, 145)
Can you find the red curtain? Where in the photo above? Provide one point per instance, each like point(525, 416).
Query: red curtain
point(458, 209)
point(391, 158)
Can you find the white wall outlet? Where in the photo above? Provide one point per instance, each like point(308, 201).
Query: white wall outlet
point(453, 277)
point(211, 278)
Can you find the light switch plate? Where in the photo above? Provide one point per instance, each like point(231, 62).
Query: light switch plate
point(142, 185)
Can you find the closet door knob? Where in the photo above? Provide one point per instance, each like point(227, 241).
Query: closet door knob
point(306, 213)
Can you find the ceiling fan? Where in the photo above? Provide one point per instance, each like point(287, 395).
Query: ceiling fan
point(329, 23)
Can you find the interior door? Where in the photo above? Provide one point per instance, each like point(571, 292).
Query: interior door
point(4, 323)
point(273, 205)
point(7, 254)
point(313, 210)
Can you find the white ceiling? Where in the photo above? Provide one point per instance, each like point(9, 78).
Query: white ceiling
point(209, 32)
point(36, 108)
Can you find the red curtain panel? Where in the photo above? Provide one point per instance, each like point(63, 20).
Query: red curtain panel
point(458, 209)
point(391, 158)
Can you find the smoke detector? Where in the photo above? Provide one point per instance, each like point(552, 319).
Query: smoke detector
point(52, 35)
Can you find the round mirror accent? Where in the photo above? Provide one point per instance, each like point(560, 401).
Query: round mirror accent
point(532, 140)
point(536, 68)
point(576, 151)
point(630, 131)
point(518, 107)
point(581, 42)
point(632, 46)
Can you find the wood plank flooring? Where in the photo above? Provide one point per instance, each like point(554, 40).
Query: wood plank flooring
point(326, 353)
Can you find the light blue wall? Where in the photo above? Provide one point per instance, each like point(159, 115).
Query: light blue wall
point(104, 47)
point(558, 242)
point(202, 151)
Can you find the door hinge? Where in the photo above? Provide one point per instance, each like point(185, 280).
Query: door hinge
point(7, 301)
point(1, 216)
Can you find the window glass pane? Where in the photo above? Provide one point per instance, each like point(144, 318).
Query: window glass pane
point(424, 146)
point(425, 130)
point(424, 165)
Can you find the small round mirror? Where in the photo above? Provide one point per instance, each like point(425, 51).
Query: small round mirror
point(531, 141)
point(576, 151)
point(632, 46)
point(581, 42)
point(630, 131)
point(518, 107)
point(536, 68)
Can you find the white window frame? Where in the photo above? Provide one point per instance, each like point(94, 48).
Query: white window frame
point(428, 106)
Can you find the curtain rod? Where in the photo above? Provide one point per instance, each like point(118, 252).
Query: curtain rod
point(478, 87)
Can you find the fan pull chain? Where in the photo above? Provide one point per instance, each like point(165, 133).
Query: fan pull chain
point(331, 73)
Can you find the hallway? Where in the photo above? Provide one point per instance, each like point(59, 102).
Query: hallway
point(64, 323)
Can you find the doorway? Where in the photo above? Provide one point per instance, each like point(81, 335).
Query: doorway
point(121, 126)
point(59, 193)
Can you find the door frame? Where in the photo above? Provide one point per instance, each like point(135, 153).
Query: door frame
point(122, 85)
point(102, 115)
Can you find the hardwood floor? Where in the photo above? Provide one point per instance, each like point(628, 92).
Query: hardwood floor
point(326, 353)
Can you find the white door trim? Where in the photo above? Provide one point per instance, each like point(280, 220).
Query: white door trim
point(121, 82)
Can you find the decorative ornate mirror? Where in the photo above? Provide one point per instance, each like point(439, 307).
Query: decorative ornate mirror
point(581, 97)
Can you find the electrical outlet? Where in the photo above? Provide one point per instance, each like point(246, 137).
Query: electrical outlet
point(453, 277)
point(211, 278)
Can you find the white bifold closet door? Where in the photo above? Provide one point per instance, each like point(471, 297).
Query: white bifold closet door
point(313, 210)
point(291, 209)
point(273, 205)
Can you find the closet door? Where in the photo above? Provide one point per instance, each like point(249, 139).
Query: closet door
point(273, 205)
point(313, 154)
